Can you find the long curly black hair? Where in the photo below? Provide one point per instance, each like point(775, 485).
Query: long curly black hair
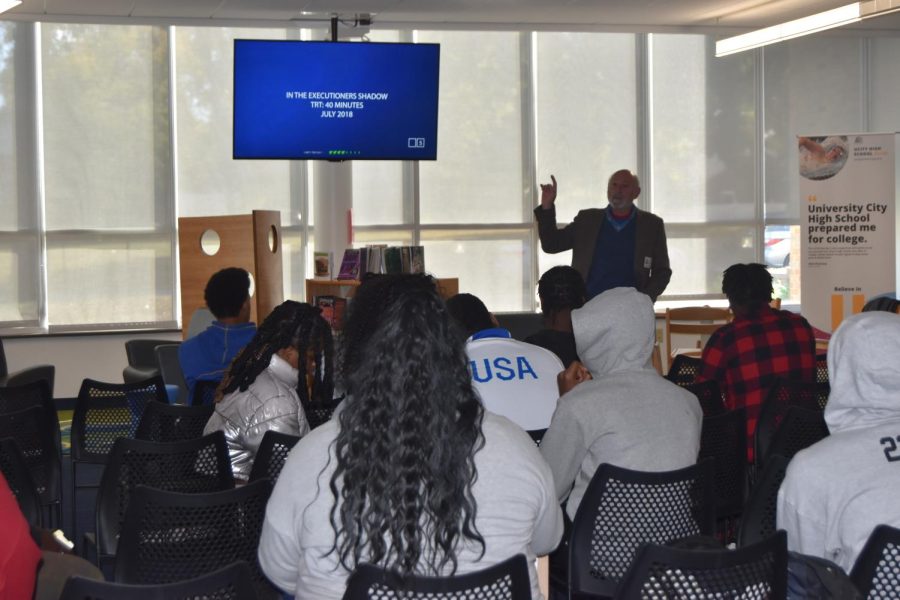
point(291, 324)
point(409, 431)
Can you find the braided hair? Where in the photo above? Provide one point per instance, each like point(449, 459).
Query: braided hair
point(292, 324)
point(409, 431)
point(560, 288)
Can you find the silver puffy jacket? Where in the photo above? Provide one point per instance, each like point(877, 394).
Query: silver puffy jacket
point(269, 403)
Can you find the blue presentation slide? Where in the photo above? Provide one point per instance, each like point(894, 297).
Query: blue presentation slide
point(335, 100)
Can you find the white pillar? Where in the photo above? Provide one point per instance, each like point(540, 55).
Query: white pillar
point(333, 199)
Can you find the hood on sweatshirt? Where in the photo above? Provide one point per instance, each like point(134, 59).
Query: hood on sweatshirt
point(864, 371)
point(615, 331)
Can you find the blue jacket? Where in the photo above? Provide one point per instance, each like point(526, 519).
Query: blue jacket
point(208, 354)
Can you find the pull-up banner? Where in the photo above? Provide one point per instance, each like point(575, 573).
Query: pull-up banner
point(847, 217)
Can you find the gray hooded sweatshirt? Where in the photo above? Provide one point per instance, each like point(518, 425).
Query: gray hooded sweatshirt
point(628, 415)
point(836, 491)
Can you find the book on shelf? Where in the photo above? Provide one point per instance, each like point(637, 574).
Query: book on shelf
point(405, 259)
point(417, 259)
point(333, 308)
point(392, 261)
point(350, 265)
point(322, 265)
point(375, 263)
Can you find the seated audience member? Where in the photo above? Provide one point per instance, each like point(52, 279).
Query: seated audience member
point(513, 379)
point(885, 302)
point(263, 390)
point(413, 475)
point(616, 408)
point(836, 491)
point(208, 354)
point(25, 570)
point(560, 289)
point(760, 346)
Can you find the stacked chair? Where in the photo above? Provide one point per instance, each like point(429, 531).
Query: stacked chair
point(172, 422)
point(189, 466)
point(45, 373)
point(877, 570)
point(103, 413)
point(28, 417)
point(15, 471)
point(723, 439)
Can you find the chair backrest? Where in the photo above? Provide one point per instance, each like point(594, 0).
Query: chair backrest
point(317, 414)
point(200, 320)
point(622, 509)
point(699, 321)
point(39, 449)
point(783, 395)
point(507, 580)
point(822, 369)
point(684, 370)
point(271, 454)
point(170, 536)
point(723, 438)
point(37, 393)
point(204, 392)
point(758, 520)
point(876, 572)
point(172, 422)
point(228, 583)
point(710, 396)
point(170, 369)
point(757, 572)
point(141, 352)
point(107, 411)
point(190, 466)
point(800, 428)
point(15, 471)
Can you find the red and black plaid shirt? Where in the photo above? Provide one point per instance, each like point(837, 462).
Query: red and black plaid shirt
point(750, 353)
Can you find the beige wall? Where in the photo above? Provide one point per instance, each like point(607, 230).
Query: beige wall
point(76, 357)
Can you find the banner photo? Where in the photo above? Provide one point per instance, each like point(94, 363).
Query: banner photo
point(847, 224)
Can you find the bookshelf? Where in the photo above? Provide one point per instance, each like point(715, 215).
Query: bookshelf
point(447, 287)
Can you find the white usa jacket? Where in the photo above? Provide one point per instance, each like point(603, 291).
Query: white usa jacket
point(836, 491)
point(269, 403)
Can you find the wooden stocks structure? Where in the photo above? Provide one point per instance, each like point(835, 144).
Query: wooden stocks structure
point(209, 244)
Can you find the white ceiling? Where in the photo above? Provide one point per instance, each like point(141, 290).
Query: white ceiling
point(576, 15)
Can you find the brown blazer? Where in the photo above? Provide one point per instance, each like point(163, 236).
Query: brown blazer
point(651, 255)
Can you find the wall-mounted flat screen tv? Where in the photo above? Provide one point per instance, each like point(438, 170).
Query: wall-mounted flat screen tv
point(335, 100)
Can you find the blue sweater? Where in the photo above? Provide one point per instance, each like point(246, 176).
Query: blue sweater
point(613, 263)
point(208, 354)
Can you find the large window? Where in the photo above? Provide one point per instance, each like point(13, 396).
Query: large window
point(109, 133)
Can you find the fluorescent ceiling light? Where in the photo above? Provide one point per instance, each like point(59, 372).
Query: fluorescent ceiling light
point(5, 5)
point(836, 17)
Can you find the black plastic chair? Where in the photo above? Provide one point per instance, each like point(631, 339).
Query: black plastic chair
point(876, 572)
point(228, 583)
point(172, 422)
point(103, 413)
point(822, 369)
point(317, 414)
point(684, 370)
point(25, 376)
point(14, 398)
point(270, 456)
point(39, 448)
point(170, 369)
point(191, 466)
point(141, 355)
point(15, 471)
point(710, 397)
point(204, 393)
point(800, 428)
point(621, 509)
point(758, 520)
point(507, 580)
point(757, 572)
point(782, 396)
point(723, 438)
point(170, 536)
